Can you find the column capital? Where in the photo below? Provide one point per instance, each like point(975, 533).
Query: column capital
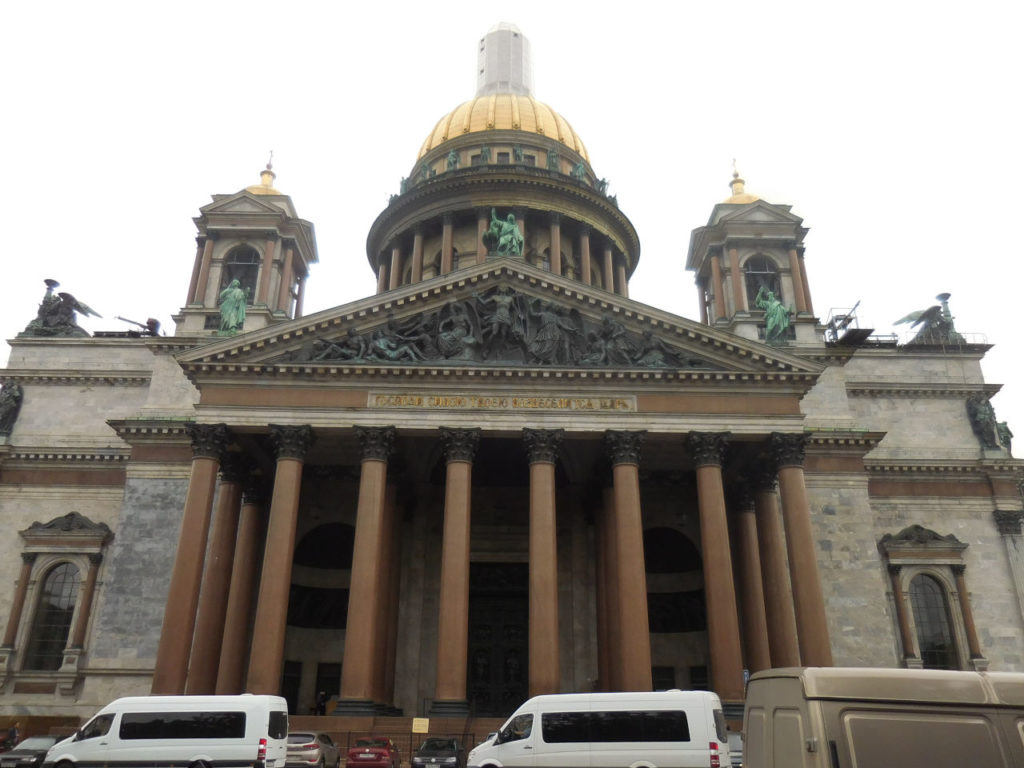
point(624, 447)
point(763, 477)
point(376, 443)
point(28, 558)
point(95, 559)
point(1008, 522)
point(741, 495)
point(208, 440)
point(894, 570)
point(584, 230)
point(708, 448)
point(291, 442)
point(254, 490)
point(460, 444)
point(233, 467)
point(555, 217)
point(788, 449)
point(542, 444)
point(958, 569)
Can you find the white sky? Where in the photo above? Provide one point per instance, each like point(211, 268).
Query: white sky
point(894, 129)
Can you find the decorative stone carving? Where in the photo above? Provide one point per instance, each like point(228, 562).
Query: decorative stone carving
point(11, 396)
point(542, 444)
point(1008, 522)
point(894, 570)
point(234, 467)
point(72, 521)
point(208, 440)
point(460, 444)
point(291, 442)
point(788, 449)
point(376, 443)
point(29, 557)
point(708, 448)
point(915, 541)
point(254, 490)
point(95, 559)
point(624, 447)
point(56, 315)
point(983, 420)
point(763, 477)
point(72, 529)
point(918, 534)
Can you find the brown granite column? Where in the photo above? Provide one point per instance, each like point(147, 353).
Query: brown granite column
point(751, 593)
point(266, 659)
point(285, 288)
point(702, 300)
point(18, 606)
point(301, 280)
point(808, 598)
point(208, 444)
point(263, 290)
point(453, 616)
point(213, 600)
point(899, 599)
point(609, 270)
point(389, 619)
point(483, 223)
point(382, 276)
point(556, 243)
point(604, 580)
point(585, 255)
point(620, 277)
point(634, 638)
point(718, 288)
point(973, 646)
point(542, 449)
point(447, 235)
point(363, 633)
point(204, 270)
point(417, 255)
point(739, 296)
point(708, 449)
point(396, 268)
point(778, 594)
point(85, 603)
point(234, 647)
point(799, 294)
point(803, 275)
point(193, 282)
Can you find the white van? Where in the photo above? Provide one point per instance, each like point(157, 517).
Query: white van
point(667, 729)
point(189, 731)
point(835, 717)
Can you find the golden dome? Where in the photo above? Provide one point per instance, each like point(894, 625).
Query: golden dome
point(739, 194)
point(266, 185)
point(504, 112)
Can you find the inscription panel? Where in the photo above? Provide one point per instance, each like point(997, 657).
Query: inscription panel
point(510, 402)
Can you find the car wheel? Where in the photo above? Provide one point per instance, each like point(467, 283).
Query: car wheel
point(65, 764)
point(200, 764)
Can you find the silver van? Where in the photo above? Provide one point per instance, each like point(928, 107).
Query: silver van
point(833, 717)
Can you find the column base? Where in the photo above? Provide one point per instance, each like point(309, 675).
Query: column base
point(449, 708)
point(355, 707)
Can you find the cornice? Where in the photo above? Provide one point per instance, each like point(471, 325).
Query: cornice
point(47, 377)
point(923, 389)
point(82, 456)
point(843, 442)
point(937, 468)
point(151, 430)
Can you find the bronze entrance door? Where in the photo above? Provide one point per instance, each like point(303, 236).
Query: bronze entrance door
point(498, 638)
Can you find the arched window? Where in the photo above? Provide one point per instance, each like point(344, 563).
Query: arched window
point(931, 619)
point(760, 271)
point(52, 623)
point(242, 264)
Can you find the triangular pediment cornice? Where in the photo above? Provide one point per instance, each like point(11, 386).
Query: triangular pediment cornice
point(308, 347)
point(245, 202)
point(759, 211)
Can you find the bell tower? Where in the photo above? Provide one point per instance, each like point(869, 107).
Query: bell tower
point(749, 255)
point(256, 238)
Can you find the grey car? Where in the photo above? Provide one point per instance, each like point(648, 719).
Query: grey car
point(312, 748)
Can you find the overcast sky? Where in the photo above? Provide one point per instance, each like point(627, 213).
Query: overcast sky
point(894, 129)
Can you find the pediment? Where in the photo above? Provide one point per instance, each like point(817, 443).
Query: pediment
point(760, 212)
point(241, 202)
point(504, 315)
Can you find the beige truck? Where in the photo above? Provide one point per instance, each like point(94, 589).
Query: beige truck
point(834, 717)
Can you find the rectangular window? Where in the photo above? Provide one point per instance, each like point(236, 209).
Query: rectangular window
point(613, 727)
point(530, 160)
point(503, 158)
point(182, 725)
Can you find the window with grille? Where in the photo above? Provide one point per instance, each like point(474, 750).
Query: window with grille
point(49, 636)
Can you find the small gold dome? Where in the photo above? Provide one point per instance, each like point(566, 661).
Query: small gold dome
point(266, 185)
point(739, 195)
point(504, 112)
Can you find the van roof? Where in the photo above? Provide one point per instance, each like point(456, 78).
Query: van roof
point(621, 698)
point(188, 703)
point(914, 685)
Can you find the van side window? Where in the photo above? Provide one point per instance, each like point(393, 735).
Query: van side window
point(519, 728)
point(636, 726)
point(277, 728)
point(182, 725)
point(98, 726)
point(565, 727)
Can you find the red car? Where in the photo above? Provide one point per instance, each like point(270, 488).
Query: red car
point(374, 752)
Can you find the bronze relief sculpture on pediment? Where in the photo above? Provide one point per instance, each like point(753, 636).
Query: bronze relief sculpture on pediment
point(503, 326)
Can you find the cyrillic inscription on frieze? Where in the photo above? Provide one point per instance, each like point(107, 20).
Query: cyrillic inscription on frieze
point(464, 402)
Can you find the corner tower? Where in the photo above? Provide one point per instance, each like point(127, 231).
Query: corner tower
point(256, 237)
point(748, 245)
point(503, 157)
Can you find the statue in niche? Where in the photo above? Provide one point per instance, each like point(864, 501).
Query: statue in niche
point(403, 185)
point(557, 339)
point(56, 315)
point(776, 315)
point(453, 160)
point(936, 324)
point(579, 171)
point(983, 420)
point(1002, 430)
point(11, 396)
point(485, 154)
point(553, 160)
point(351, 347)
point(517, 154)
point(503, 236)
point(232, 303)
point(501, 316)
point(424, 172)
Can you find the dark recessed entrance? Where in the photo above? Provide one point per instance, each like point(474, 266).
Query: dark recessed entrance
point(498, 638)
